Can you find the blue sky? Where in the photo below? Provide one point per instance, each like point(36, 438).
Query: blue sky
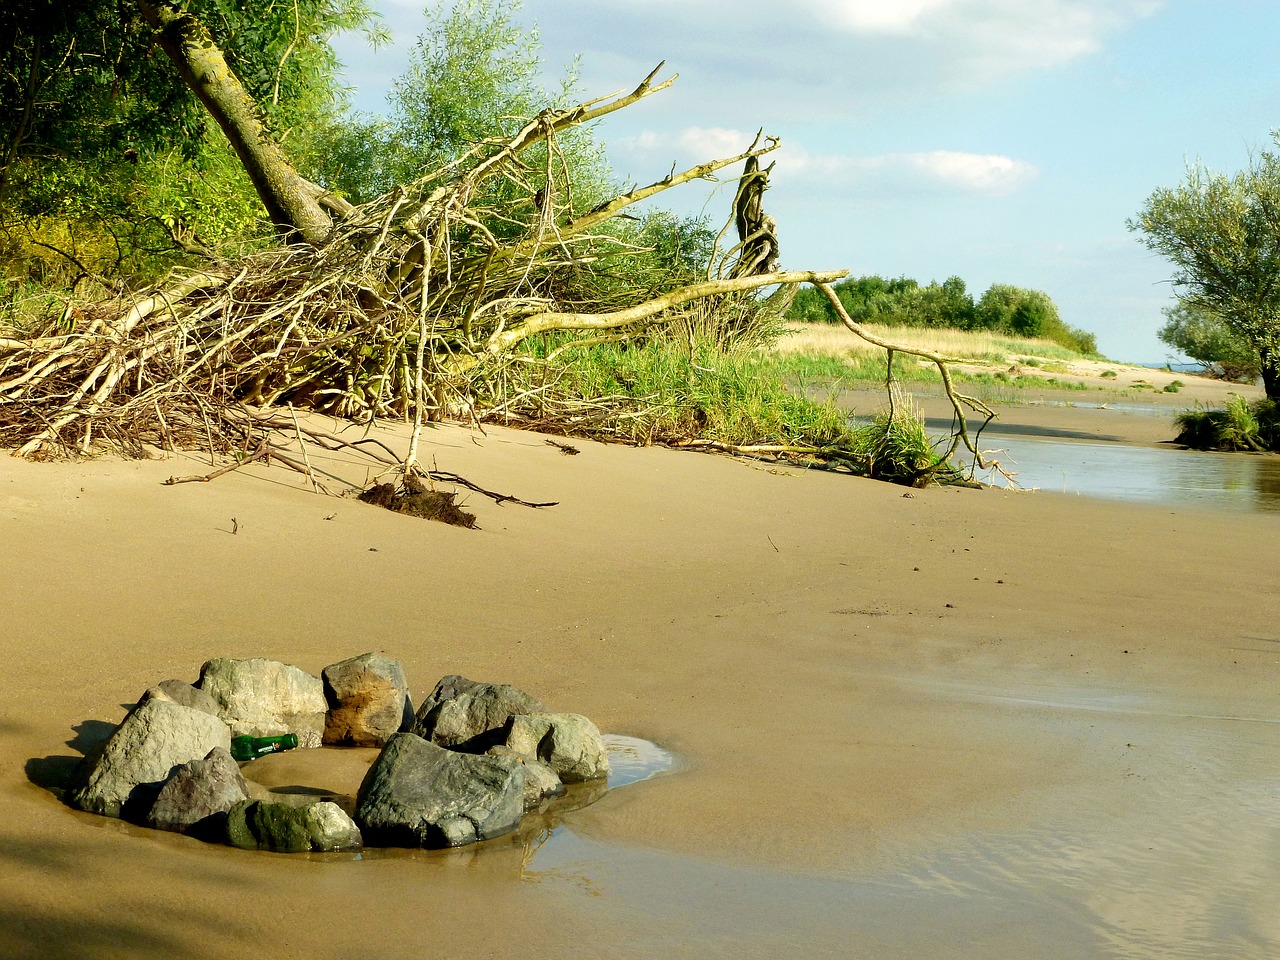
point(997, 140)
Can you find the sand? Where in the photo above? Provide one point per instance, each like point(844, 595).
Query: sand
point(942, 723)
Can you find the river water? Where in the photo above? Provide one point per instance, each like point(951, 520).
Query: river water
point(1231, 481)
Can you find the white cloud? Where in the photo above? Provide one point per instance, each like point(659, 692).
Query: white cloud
point(875, 16)
point(996, 36)
point(949, 170)
point(991, 174)
point(824, 61)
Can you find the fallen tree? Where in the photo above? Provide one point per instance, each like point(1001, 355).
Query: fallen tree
point(405, 307)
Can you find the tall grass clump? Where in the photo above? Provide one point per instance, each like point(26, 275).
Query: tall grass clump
point(695, 390)
point(1239, 425)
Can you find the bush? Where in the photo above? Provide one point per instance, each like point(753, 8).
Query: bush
point(1237, 426)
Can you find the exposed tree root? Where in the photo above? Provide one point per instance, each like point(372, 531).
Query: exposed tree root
point(411, 308)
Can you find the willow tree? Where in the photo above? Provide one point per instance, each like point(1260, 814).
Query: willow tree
point(1222, 234)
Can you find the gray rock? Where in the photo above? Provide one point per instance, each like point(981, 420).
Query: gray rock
point(285, 828)
point(417, 794)
point(197, 796)
point(265, 698)
point(125, 776)
point(179, 691)
point(568, 743)
point(368, 698)
point(465, 715)
point(540, 781)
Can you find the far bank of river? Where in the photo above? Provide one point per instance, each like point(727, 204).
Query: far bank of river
point(1093, 444)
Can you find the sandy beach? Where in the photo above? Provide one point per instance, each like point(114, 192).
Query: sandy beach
point(947, 723)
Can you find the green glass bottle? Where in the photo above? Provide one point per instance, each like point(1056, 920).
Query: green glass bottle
point(251, 748)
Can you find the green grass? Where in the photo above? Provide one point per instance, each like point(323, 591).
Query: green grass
point(661, 392)
point(1240, 425)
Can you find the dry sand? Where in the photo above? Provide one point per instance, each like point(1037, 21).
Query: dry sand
point(946, 723)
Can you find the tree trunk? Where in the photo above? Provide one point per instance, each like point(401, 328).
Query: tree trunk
point(1270, 373)
point(289, 198)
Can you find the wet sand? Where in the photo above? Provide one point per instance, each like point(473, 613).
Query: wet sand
point(949, 723)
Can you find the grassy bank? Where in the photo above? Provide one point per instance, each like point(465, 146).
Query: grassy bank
point(739, 401)
point(828, 340)
point(823, 352)
point(1237, 425)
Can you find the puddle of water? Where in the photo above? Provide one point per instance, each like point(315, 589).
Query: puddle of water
point(632, 760)
point(1142, 474)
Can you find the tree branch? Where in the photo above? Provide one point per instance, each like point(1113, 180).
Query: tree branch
point(503, 340)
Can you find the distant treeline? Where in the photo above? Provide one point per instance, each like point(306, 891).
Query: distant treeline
point(903, 302)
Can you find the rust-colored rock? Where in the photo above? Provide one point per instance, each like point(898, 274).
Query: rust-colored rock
point(368, 700)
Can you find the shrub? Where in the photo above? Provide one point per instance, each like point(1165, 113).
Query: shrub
point(1237, 426)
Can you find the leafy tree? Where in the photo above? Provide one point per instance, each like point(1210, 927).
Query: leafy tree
point(1198, 333)
point(93, 118)
point(1222, 234)
point(473, 76)
point(1003, 308)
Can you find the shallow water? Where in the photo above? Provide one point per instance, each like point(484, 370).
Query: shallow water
point(1179, 860)
point(1231, 481)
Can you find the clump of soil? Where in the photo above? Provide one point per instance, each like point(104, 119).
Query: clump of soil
point(428, 504)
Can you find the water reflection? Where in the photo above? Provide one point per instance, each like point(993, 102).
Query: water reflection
point(630, 761)
point(1231, 481)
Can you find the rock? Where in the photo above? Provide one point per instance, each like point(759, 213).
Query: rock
point(465, 715)
point(540, 781)
point(197, 796)
point(418, 794)
point(124, 778)
point(284, 828)
point(278, 827)
point(569, 744)
point(265, 698)
point(179, 691)
point(330, 828)
point(368, 698)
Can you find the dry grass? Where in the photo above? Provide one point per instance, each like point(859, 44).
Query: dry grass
point(820, 339)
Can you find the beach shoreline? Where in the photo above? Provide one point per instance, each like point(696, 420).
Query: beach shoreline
point(854, 676)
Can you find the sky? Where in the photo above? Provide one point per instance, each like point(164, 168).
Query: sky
point(1001, 141)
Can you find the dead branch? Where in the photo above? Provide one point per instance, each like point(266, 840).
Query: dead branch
point(259, 454)
point(544, 322)
point(959, 401)
point(413, 483)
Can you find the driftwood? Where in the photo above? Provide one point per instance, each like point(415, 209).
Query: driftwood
point(411, 307)
point(402, 312)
